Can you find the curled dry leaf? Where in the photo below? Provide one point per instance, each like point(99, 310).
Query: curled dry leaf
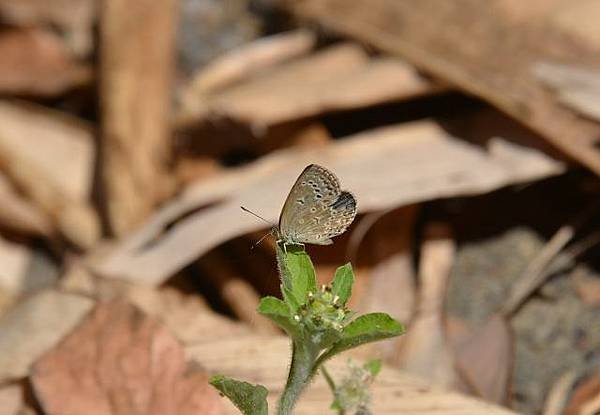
point(419, 158)
point(119, 361)
point(36, 62)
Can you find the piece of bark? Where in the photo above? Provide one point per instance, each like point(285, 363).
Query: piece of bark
point(119, 361)
point(338, 78)
point(386, 168)
point(18, 214)
point(36, 62)
point(478, 48)
point(264, 360)
point(136, 66)
point(426, 351)
point(74, 18)
point(34, 326)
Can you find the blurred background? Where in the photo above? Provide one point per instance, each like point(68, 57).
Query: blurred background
point(132, 132)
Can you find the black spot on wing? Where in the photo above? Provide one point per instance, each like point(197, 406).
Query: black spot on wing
point(344, 201)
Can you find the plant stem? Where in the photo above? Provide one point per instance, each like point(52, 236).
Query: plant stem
point(301, 371)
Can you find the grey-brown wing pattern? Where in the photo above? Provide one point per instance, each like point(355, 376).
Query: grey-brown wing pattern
point(316, 210)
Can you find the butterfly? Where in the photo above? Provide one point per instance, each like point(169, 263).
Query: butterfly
point(315, 210)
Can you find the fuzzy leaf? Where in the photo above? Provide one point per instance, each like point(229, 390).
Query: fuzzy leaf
point(342, 283)
point(278, 312)
point(365, 329)
point(297, 275)
point(249, 399)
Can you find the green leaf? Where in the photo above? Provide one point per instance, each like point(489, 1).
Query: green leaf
point(373, 367)
point(249, 399)
point(365, 329)
point(342, 283)
point(278, 312)
point(297, 275)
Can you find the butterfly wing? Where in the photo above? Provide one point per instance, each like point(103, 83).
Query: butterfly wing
point(316, 209)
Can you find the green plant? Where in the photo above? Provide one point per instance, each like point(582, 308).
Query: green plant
point(318, 323)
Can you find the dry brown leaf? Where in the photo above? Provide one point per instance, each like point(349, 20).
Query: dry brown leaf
point(337, 78)
point(15, 260)
point(585, 399)
point(137, 60)
point(11, 399)
point(73, 17)
point(187, 316)
point(484, 51)
point(425, 350)
point(587, 287)
point(35, 62)
point(50, 159)
point(261, 359)
point(246, 60)
point(577, 87)
point(20, 215)
point(558, 396)
point(119, 361)
point(485, 359)
point(385, 168)
point(390, 286)
point(35, 325)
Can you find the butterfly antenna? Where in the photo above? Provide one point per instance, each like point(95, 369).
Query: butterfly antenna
point(255, 244)
point(254, 214)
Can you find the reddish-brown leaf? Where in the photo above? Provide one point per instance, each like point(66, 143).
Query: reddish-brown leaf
point(121, 362)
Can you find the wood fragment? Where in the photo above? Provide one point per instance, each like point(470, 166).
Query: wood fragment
point(136, 65)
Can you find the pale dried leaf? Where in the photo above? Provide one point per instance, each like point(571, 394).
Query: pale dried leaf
point(248, 59)
point(36, 62)
point(19, 214)
point(340, 77)
point(490, 56)
point(11, 399)
point(34, 326)
point(384, 168)
point(14, 261)
point(425, 350)
point(119, 361)
point(260, 359)
point(49, 157)
point(75, 18)
point(577, 87)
